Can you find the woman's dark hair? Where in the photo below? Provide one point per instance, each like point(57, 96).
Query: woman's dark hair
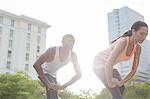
point(136, 26)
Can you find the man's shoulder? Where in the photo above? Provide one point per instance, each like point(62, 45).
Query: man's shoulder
point(73, 54)
point(51, 49)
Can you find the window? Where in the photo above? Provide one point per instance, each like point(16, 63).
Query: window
point(12, 23)
point(0, 41)
point(8, 65)
point(11, 33)
point(28, 36)
point(38, 49)
point(117, 11)
point(27, 56)
point(29, 27)
point(26, 67)
point(117, 17)
point(38, 39)
point(39, 29)
point(1, 19)
point(10, 44)
point(27, 46)
point(1, 30)
point(9, 54)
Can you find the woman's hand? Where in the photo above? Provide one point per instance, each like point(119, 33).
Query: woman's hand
point(121, 83)
point(114, 83)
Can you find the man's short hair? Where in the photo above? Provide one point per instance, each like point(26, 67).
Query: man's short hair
point(67, 35)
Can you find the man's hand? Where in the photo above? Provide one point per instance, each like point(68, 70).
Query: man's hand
point(50, 86)
point(58, 87)
point(55, 87)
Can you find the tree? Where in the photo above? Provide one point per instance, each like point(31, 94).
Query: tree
point(66, 94)
point(138, 91)
point(19, 86)
point(86, 94)
point(104, 94)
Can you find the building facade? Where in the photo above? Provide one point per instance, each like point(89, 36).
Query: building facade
point(22, 40)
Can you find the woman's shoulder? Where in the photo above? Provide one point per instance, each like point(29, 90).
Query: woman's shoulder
point(122, 41)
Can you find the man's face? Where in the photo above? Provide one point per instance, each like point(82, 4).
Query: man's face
point(68, 42)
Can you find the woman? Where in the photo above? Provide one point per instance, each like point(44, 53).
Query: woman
point(121, 49)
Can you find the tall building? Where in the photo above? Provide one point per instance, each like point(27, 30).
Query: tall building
point(144, 66)
point(119, 21)
point(22, 39)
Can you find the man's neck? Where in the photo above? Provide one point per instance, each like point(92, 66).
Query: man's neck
point(64, 50)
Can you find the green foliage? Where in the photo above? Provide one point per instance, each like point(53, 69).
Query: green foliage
point(86, 94)
point(19, 86)
point(66, 94)
point(134, 90)
point(138, 91)
point(104, 94)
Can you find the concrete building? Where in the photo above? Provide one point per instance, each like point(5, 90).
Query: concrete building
point(22, 40)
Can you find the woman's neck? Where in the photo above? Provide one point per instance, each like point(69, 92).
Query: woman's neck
point(133, 40)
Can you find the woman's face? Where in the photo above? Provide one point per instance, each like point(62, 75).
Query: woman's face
point(141, 34)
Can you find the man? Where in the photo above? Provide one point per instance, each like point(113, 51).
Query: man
point(52, 60)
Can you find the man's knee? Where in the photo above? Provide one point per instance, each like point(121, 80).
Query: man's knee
point(51, 94)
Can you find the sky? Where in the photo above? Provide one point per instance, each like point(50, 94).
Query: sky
point(86, 20)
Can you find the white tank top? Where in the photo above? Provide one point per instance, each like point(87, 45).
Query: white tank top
point(52, 67)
